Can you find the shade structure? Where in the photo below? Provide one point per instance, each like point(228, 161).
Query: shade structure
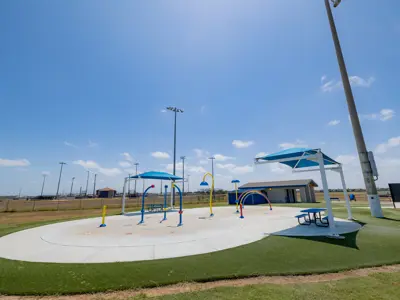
point(156, 175)
point(297, 158)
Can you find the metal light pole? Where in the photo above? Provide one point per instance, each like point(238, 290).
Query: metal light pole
point(136, 165)
point(44, 180)
point(188, 181)
point(212, 172)
point(59, 178)
point(175, 110)
point(183, 174)
point(129, 185)
point(373, 198)
point(72, 185)
point(87, 184)
point(94, 185)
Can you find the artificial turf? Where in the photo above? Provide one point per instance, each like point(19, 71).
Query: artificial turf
point(377, 243)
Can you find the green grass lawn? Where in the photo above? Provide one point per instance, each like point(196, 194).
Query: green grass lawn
point(378, 243)
point(375, 286)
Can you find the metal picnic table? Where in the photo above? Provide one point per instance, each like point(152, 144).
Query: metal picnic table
point(316, 213)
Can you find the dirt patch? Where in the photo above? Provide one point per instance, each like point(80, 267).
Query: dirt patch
point(192, 287)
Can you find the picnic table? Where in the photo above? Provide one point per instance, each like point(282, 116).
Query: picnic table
point(316, 218)
point(155, 207)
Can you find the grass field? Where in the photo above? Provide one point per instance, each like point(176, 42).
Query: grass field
point(375, 286)
point(378, 243)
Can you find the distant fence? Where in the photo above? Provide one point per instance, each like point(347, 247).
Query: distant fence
point(12, 205)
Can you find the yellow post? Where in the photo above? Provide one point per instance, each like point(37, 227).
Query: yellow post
point(211, 191)
point(103, 216)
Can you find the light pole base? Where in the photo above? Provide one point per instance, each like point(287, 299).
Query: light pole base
point(241, 217)
point(102, 225)
point(211, 215)
point(375, 206)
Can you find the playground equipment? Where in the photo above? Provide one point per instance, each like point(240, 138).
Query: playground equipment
point(235, 181)
point(165, 204)
point(143, 196)
point(205, 183)
point(103, 217)
point(180, 203)
point(244, 196)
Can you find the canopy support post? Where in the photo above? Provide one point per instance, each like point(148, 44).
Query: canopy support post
point(346, 196)
point(326, 191)
point(123, 196)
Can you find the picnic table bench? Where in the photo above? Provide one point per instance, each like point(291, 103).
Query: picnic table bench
point(155, 207)
point(313, 215)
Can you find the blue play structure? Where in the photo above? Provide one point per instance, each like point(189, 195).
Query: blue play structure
point(253, 199)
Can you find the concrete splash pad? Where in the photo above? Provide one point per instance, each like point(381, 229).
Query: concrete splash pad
point(83, 241)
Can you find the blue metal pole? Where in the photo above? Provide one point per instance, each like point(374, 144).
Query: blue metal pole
point(144, 195)
point(180, 205)
point(165, 203)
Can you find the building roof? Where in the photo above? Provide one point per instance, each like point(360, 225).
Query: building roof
point(156, 175)
point(302, 158)
point(106, 189)
point(275, 184)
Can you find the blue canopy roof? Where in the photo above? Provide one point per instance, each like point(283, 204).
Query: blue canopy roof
point(156, 175)
point(297, 163)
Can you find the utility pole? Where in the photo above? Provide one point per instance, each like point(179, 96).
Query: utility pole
point(94, 186)
point(59, 179)
point(87, 183)
point(175, 110)
point(188, 181)
point(72, 185)
point(161, 188)
point(44, 180)
point(183, 174)
point(136, 165)
point(372, 193)
point(80, 191)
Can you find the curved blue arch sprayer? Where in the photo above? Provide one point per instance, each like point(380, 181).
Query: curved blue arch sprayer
point(244, 196)
point(180, 204)
point(165, 204)
point(143, 196)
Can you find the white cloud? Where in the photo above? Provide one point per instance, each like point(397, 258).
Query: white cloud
point(92, 144)
point(202, 109)
point(346, 159)
point(95, 167)
point(200, 153)
point(278, 168)
point(391, 143)
point(355, 81)
point(14, 162)
point(70, 145)
point(334, 122)
point(236, 169)
point(297, 144)
point(196, 169)
point(261, 154)
point(160, 155)
point(188, 168)
point(127, 156)
point(163, 110)
point(203, 162)
point(125, 164)
point(220, 157)
point(384, 115)
point(242, 144)
point(47, 173)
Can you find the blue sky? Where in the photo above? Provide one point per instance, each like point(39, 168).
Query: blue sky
point(86, 81)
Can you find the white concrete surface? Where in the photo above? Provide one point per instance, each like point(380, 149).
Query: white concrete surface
point(83, 241)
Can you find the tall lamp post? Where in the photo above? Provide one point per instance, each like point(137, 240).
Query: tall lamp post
point(188, 181)
point(94, 185)
point(129, 185)
point(175, 110)
point(59, 178)
point(44, 180)
point(87, 183)
point(373, 198)
point(72, 185)
point(136, 165)
point(183, 173)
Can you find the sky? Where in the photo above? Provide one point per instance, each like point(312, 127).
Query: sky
point(87, 83)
